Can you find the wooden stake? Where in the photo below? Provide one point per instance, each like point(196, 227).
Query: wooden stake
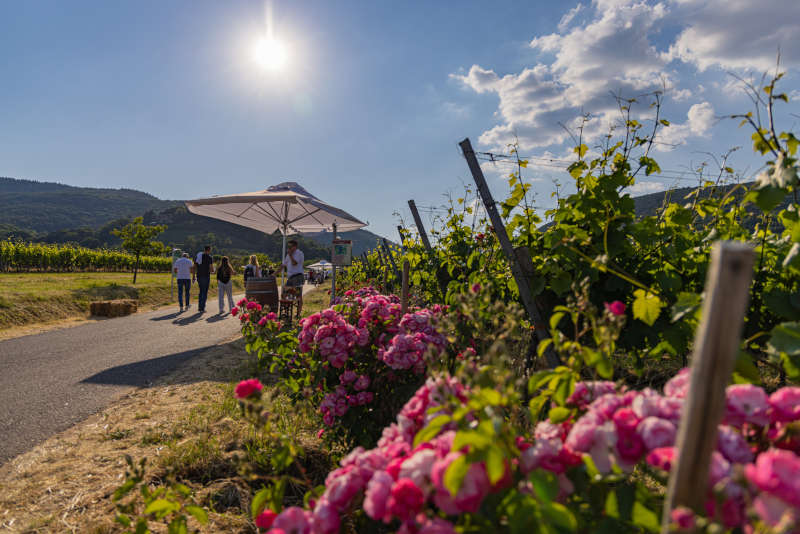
point(389, 255)
point(401, 233)
point(404, 293)
point(715, 348)
point(418, 221)
point(535, 316)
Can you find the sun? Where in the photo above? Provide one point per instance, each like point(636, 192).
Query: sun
point(270, 53)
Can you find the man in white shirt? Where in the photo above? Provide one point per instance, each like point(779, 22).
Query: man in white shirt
point(293, 263)
point(183, 269)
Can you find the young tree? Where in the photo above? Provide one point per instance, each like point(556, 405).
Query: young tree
point(137, 238)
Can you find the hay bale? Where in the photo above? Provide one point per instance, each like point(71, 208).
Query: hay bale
point(113, 308)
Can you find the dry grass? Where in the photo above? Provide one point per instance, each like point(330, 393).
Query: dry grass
point(34, 298)
point(187, 424)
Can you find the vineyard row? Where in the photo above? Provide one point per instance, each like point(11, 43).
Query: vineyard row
point(24, 257)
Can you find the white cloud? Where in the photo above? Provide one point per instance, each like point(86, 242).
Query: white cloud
point(563, 24)
point(681, 94)
point(738, 34)
point(610, 54)
point(632, 48)
point(699, 120)
point(643, 188)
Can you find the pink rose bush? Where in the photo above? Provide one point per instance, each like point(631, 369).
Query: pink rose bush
point(364, 352)
point(396, 482)
point(754, 476)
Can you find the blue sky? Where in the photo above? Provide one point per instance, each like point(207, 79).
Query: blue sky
point(165, 97)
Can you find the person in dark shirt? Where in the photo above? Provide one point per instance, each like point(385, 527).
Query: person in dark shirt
point(203, 269)
point(224, 284)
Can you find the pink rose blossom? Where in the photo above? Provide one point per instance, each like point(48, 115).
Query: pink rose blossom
point(362, 383)
point(785, 404)
point(733, 446)
point(265, 519)
point(773, 511)
point(325, 518)
point(377, 495)
point(615, 308)
point(777, 472)
point(293, 520)
point(662, 458)
point(656, 432)
point(682, 517)
point(348, 377)
point(417, 467)
point(746, 403)
point(630, 446)
point(678, 385)
point(234, 311)
point(405, 500)
point(246, 388)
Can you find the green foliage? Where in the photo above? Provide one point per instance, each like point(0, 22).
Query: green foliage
point(138, 504)
point(24, 257)
point(137, 238)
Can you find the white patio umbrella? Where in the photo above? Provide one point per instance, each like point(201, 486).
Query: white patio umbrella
point(287, 207)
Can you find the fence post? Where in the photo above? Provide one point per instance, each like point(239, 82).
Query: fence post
point(401, 233)
point(333, 274)
point(715, 348)
point(418, 221)
point(423, 236)
point(520, 277)
point(389, 255)
point(404, 292)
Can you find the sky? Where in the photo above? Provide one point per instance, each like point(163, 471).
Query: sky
point(369, 106)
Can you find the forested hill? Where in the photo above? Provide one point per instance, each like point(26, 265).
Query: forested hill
point(43, 207)
point(57, 213)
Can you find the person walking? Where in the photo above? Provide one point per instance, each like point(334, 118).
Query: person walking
point(183, 269)
point(252, 270)
point(225, 284)
point(293, 264)
point(203, 271)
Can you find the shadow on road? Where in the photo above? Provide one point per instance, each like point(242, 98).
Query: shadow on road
point(145, 373)
point(166, 317)
point(217, 318)
point(188, 320)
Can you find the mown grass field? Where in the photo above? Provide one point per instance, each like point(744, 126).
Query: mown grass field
point(35, 298)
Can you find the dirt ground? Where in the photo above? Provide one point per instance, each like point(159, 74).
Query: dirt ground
point(65, 484)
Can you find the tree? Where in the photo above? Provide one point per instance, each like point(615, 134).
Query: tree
point(137, 238)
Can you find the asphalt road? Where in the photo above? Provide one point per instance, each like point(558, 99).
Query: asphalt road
point(50, 381)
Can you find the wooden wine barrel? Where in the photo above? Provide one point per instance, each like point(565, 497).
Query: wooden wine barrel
point(264, 291)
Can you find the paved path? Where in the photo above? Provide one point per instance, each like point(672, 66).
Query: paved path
point(50, 381)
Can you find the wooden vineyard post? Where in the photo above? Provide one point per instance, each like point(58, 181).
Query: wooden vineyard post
point(389, 255)
point(401, 233)
point(535, 316)
point(715, 348)
point(423, 236)
point(418, 221)
point(404, 293)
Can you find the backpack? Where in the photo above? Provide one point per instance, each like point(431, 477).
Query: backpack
point(249, 272)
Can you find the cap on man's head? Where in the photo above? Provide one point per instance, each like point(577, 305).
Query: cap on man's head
point(185, 254)
point(207, 247)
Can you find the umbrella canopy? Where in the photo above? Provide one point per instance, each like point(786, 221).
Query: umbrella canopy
point(287, 207)
point(320, 265)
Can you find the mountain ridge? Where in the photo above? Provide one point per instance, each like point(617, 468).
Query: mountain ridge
point(59, 213)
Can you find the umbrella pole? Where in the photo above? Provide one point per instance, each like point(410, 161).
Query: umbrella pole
point(283, 256)
point(333, 275)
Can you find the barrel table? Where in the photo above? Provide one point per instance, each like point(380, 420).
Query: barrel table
point(264, 291)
